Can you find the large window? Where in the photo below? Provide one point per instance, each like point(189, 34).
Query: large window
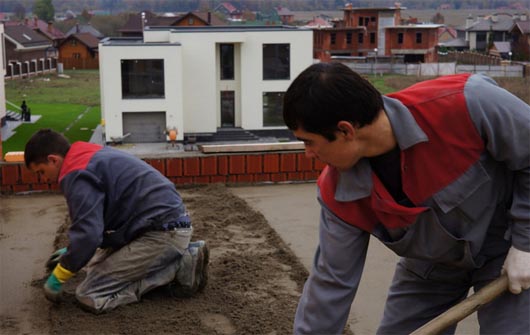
point(418, 38)
point(276, 61)
point(400, 38)
point(227, 61)
point(142, 78)
point(273, 109)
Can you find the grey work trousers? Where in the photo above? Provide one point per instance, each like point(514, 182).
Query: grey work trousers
point(115, 278)
point(421, 291)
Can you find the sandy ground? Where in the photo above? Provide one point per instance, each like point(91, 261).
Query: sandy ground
point(261, 250)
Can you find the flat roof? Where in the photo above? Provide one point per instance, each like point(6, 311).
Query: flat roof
point(133, 41)
point(238, 28)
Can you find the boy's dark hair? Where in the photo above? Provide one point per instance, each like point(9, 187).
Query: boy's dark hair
point(43, 143)
point(326, 93)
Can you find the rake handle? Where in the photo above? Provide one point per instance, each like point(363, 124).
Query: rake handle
point(466, 307)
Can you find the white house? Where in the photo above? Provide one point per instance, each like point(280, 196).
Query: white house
point(199, 79)
point(2, 84)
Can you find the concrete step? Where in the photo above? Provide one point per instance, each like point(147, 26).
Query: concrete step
point(13, 116)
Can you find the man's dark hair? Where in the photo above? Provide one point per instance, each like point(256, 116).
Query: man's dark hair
point(326, 93)
point(43, 143)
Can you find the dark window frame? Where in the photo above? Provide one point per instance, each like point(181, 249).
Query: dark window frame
point(372, 38)
point(227, 59)
point(349, 37)
point(142, 79)
point(277, 61)
point(273, 109)
point(400, 37)
point(419, 38)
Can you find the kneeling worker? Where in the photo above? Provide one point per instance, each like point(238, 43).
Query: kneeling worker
point(129, 229)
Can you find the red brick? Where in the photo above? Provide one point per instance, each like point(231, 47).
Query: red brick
point(27, 176)
point(262, 177)
point(201, 180)
point(295, 176)
point(6, 189)
point(174, 167)
point(192, 166)
point(54, 187)
point(271, 163)
point(222, 165)
point(236, 164)
point(10, 174)
point(21, 188)
point(40, 187)
point(218, 179)
point(232, 179)
point(319, 166)
point(254, 163)
point(158, 164)
point(245, 178)
point(209, 166)
point(304, 163)
point(183, 180)
point(278, 177)
point(288, 162)
point(311, 175)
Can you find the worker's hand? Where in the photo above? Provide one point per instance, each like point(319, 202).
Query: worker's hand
point(54, 259)
point(517, 267)
point(53, 289)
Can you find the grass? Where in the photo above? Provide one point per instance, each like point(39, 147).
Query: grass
point(70, 105)
point(82, 88)
point(61, 101)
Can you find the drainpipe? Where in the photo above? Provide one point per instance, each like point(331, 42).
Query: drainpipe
point(143, 24)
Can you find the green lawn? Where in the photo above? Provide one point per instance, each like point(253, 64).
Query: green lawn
point(68, 105)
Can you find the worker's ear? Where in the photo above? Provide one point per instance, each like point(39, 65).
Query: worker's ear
point(346, 129)
point(55, 160)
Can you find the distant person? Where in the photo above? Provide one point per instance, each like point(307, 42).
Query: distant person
point(439, 173)
point(24, 110)
point(130, 228)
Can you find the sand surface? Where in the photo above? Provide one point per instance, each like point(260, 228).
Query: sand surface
point(262, 241)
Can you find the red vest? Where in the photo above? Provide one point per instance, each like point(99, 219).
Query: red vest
point(439, 108)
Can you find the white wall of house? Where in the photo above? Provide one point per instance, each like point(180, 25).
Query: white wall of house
point(2, 75)
point(113, 105)
point(192, 75)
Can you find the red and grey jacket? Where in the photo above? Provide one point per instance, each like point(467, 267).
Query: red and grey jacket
point(464, 166)
point(113, 197)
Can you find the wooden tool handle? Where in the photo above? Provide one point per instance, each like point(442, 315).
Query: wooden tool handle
point(465, 307)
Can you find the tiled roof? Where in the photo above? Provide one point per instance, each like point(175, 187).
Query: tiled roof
point(524, 26)
point(87, 39)
point(503, 23)
point(284, 11)
point(134, 24)
point(502, 47)
point(85, 28)
point(26, 36)
point(45, 28)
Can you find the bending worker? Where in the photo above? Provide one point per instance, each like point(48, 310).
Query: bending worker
point(129, 226)
point(439, 173)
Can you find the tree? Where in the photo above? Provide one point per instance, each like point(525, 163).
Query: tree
point(20, 11)
point(44, 10)
point(438, 18)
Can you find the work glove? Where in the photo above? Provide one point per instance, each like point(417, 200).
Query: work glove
point(54, 259)
point(517, 267)
point(53, 288)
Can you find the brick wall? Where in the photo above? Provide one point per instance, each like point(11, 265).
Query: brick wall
point(201, 169)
